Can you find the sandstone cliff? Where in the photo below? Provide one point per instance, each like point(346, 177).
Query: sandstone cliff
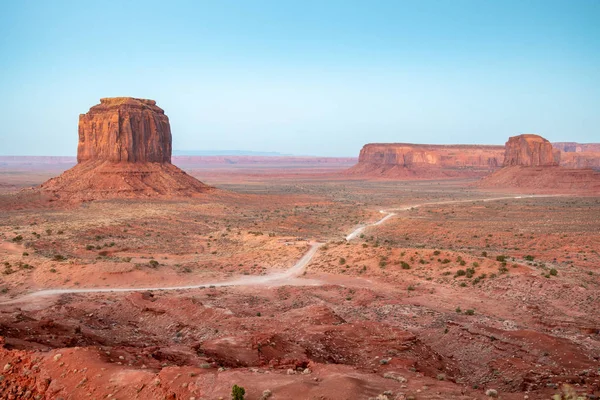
point(405, 160)
point(124, 151)
point(530, 151)
point(573, 147)
point(124, 129)
point(531, 165)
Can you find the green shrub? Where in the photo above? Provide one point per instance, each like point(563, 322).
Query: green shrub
point(529, 258)
point(237, 392)
point(553, 272)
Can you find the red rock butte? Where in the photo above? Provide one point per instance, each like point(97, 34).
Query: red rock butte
point(124, 129)
point(124, 151)
point(531, 164)
point(530, 150)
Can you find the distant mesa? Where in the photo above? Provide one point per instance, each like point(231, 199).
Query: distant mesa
point(124, 151)
point(407, 160)
point(531, 164)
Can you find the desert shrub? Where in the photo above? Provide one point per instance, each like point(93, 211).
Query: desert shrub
point(153, 263)
point(460, 272)
point(342, 261)
point(404, 265)
point(470, 272)
point(501, 258)
point(553, 272)
point(436, 253)
point(59, 257)
point(410, 288)
point(529, 258)
point(484, 254)
point(237, 392)
point(445, 261)
point(17, 238)
point(470, 312)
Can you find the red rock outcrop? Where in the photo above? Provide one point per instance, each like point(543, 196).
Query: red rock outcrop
point(574, 147)
point(124, 151)
point(579, 155)
point(530, 151)
point(426, 161)
point(124, 129)
point(531, 164)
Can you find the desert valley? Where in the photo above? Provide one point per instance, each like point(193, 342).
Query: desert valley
point(412, 272)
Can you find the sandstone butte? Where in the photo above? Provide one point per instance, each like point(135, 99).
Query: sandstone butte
point(530, 150)
point(124, 151)
point(400, 160)
point(531, 164)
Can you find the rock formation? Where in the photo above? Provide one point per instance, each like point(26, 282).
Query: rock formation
point(573, 147)
point(579, 155)
point(530, 151)
point(401, 160)
point(531, 164)
point(124, 150)
point(124, 129)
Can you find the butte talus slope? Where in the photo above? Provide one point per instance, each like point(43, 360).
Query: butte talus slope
point(124, 151)
point(531, 164)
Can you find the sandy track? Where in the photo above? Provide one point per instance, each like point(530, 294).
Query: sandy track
point(275, 279)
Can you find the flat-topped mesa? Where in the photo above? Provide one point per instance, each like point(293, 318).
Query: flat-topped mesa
point(124, 129)
point(428, 155)
point(530, 150)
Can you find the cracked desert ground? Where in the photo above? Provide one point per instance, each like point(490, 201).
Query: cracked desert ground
point(460, 294)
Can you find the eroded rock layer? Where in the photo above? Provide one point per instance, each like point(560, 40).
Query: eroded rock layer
point(530, 151)
point(531, 164)
point(124, 151)
point(124, 129)
point(426, 161)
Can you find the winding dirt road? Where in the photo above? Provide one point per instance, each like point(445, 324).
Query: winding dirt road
point(273, 279)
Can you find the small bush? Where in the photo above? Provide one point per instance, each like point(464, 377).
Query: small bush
point(237, 392)
point(470, 312)
point(404, 265)
point(501, 258)
point(553, 272)
point(529, 258)
point(342, 261)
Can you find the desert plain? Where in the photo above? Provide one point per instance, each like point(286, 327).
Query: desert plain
point(278, 280)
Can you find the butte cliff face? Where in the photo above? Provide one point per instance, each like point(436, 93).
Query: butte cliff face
point(401, 160)
point(124, 151)
point(530, 151)
point(124, 129)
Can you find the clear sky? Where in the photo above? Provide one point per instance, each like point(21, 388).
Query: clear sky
point(304, 77)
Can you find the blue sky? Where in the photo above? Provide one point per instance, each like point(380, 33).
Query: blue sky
point(303, 77)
